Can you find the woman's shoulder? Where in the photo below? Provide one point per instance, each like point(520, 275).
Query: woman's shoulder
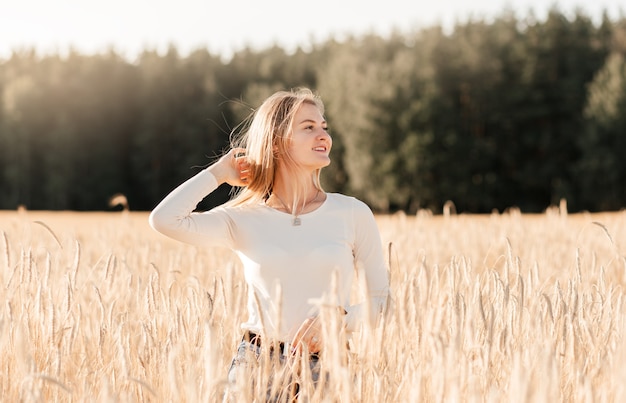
point(346, 201)
point(245, 208)
point(339, 198)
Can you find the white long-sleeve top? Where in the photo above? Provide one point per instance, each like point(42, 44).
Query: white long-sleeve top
point(287, 268)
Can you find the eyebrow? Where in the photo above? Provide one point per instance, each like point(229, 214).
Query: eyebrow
point(311, 121)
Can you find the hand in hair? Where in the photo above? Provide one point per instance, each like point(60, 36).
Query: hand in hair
point(233, 168)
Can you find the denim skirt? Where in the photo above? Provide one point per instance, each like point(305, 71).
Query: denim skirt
point(286, 370)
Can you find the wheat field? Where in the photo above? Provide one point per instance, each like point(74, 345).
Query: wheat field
point(97, 307)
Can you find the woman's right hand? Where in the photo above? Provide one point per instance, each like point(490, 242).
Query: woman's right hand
point(232, 168)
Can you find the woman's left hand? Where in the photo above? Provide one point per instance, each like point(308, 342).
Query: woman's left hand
point(310, 335)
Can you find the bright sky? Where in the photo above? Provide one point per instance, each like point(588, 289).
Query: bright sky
point(225, 26)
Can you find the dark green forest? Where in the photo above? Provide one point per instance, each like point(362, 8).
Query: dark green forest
point(508, 112)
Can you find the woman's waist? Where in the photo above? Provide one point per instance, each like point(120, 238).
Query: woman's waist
point(272, 345)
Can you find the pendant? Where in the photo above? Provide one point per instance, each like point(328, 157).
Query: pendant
point(296, 221)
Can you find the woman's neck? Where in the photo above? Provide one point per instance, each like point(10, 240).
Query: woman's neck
point(290, 186)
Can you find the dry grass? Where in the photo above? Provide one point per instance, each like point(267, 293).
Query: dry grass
point(520, 308)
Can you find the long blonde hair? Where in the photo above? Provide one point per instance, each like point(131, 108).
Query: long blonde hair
point(266, 135)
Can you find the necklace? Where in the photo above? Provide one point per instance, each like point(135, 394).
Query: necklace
point(296, 219)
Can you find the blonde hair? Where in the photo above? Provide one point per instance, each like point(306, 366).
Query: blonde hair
point(266, 135)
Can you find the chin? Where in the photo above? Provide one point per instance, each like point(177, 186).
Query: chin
point(316, 165)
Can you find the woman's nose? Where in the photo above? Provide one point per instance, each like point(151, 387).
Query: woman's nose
point(323, 134)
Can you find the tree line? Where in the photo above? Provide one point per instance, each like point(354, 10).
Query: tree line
point(514, 111)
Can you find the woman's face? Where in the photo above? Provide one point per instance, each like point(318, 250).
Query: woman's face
point(310, 142)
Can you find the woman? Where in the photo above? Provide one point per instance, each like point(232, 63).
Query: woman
point(298, 244)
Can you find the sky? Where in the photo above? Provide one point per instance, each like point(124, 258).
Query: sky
point(226, 26)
